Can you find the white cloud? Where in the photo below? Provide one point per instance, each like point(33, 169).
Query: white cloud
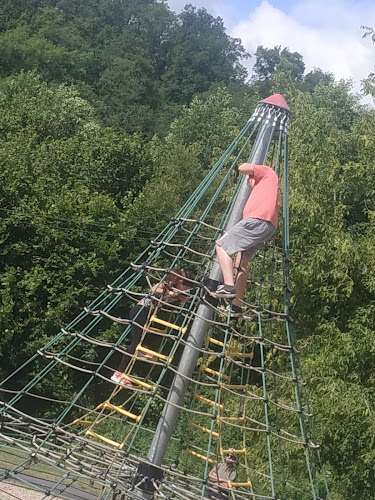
point(326, 32)
point(328, 36)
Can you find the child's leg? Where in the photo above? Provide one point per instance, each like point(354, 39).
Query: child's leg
point(242, 262)
point(226, 265)
point(139, 314)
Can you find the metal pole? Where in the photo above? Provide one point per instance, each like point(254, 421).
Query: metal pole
point(200, 325)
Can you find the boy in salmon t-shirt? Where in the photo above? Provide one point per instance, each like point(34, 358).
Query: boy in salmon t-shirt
point(259, 222)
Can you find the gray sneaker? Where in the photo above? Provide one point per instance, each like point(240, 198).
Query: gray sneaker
point(224, 292)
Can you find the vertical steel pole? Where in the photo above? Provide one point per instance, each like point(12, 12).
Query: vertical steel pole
point(200, 325)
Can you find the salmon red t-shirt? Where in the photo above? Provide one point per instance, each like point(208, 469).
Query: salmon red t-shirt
point(264, 201)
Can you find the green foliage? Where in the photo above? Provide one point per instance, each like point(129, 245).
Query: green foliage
point(344, 402)
point(207, 125)
point(136, 62)
point(270, 60)
point(195, 141)
point(314, 78)
point(332, 179)
point(369, 82)
point(202, 54)
point(47, 44)
point(281, 71)
point(79, 200)
point(61, 230)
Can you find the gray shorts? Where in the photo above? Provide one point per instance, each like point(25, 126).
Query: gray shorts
point(247, 236)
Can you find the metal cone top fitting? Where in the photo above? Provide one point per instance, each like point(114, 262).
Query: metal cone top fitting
point(277, 100)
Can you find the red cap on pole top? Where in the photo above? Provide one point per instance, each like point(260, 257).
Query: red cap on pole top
point(277, 100)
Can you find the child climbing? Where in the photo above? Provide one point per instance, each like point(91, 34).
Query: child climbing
point(258, 224)
point(221, 475)
point(169, 291)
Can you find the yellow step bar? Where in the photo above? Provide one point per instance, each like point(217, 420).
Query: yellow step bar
point(154, 319)
point(244, 387)
point(233, 419)
point(118, 409)
point(216, 342)
point(209, 401)
point(204, 368)
point(202, 457)
point(237, 354)
point(104, 439)
point(203, 429)
point(141, 383)
point(230, 350)
point(81, 421)
point(154, 353)
point(156, 330)
point(239, 485)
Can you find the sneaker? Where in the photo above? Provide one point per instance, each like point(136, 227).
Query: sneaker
point(233, 312)
point(117, 377)
point(146, 355)
point(126, 383)
point(224, 292)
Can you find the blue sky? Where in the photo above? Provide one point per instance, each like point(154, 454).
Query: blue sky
point(326, 32)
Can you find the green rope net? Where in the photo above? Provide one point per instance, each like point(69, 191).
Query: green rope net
point(247, 394)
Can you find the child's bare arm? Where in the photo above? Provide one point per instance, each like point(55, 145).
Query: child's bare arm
point(159, 289)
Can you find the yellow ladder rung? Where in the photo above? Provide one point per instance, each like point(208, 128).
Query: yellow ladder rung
point(141, 383)
point(154, 353)
point(202, 457)
point(104, 439)
point(234, 386)
point(80, 421)
point(216, 342)
point(203, 429)
point(237, 354)
point(237, 452)
point(118, 409)
point(233, 419)
point(168, 325)
point(156, 330)
point(239, 485)
point(208, 401)
point(212, 372)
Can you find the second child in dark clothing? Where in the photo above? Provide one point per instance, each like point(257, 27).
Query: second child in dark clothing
point(169, 292)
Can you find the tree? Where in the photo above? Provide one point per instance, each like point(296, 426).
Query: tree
point(136, 62)
point(368, 83)
point(196, 140)
point(268, 61)
point(62, 233)
point(202, 54)
point(48, 45)
point(332, 179)
point(271, 61)
point(316, 77)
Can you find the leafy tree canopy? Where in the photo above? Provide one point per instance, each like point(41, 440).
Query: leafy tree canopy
point(62, 182)
point(136, 62)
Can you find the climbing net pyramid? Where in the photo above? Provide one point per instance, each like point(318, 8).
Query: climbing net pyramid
point(200, 382)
